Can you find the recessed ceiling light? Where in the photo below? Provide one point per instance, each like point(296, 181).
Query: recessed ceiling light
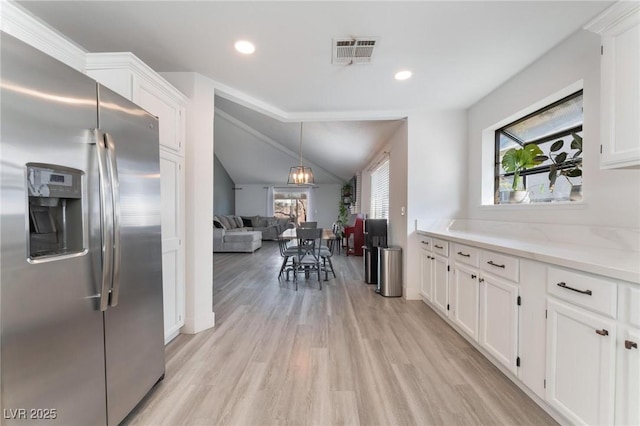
point(403, 75)
point(245, 47)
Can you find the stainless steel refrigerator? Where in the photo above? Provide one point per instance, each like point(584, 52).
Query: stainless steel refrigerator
point(80, 261)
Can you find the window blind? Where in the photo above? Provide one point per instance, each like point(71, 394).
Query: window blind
point(380, 192)
point(358, 204)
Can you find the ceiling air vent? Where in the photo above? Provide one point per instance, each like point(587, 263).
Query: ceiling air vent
point(353, 50)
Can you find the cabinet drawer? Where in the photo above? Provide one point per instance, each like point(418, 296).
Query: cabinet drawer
point(466, 254)
point(441, 247)
point(425, 242)
point(585, 290)
point(499, 264)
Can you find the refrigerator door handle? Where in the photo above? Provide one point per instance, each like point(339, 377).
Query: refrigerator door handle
point(115, 194)
point(106, 210)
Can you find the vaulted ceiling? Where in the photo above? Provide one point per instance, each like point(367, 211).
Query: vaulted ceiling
point(255, 148)
point(459, 51)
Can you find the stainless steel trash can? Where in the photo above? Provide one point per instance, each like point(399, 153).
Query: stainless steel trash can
point(390, 272)
point(370, 257)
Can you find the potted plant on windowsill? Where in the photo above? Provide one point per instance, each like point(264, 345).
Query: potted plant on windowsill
point(517, 160)
point(563, 165)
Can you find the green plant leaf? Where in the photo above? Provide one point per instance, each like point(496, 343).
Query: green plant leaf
point(553, 175)
point(516, 160)
point(509, 162)
point(557, 146)
point(576, 143)
point(574, 173)
point(560, 158)
point(577, 154)
point(541, 158)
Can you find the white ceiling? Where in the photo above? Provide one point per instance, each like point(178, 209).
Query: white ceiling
point(458, 52)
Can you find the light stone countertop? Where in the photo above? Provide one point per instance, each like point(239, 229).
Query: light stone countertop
point(609, 261)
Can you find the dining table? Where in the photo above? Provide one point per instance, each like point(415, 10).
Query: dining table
point(290, 234)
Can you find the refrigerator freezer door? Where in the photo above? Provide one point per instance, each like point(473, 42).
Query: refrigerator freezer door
point(134, 336)
point(52, 347)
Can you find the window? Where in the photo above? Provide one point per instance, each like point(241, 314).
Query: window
point(291, 205)
point(555, 174)
point(380, 192)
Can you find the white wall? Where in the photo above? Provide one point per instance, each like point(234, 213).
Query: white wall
point(251, 200)
point(199, 199)
point(437, 178)
point(611, 197)
point(326, 204)
point(396, 146)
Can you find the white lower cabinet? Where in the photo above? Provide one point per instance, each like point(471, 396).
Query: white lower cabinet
point(580, 364)
point(628, 360)
point(571, 337)
point(426, 274)
point(628, 377)
point(464, 299)
point(499, 320)
point(441, 283)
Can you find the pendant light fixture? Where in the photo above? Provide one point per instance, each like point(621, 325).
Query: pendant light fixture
point(300, 175)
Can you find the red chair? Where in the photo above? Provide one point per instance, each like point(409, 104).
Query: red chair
point(354, 245)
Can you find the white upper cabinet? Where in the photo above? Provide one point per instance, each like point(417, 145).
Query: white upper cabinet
point(128, 76)
point(619, 27)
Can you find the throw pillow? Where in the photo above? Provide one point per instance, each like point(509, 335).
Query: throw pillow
point(246, 222)
point(217, 223)
point(225, 222)
point(239, 221)
point(272, 222)
point(232, 221)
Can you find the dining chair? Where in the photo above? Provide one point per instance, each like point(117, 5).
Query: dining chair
point(287, 252)
point(326, 252)
point(308, 225)
point(307, 258)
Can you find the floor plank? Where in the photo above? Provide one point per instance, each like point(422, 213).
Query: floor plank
point(341, 355)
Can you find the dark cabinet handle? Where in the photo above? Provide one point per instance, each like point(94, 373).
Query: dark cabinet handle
point(629, 344)
point(438, 247)
point(425, 242)
point(564, 285)
point(463, 254)
point(495, 264)
point(602, 332)
point(481, 280)
point(473, 277)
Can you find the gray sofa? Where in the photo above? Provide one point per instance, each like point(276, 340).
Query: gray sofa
point(270, 227)
point(237, 240)
point(245, 234)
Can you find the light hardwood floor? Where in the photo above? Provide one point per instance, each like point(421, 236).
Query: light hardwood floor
point(343, 355)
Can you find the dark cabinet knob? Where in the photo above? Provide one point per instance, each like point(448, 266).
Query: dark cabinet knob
point(602, 332)
point(630, 345)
